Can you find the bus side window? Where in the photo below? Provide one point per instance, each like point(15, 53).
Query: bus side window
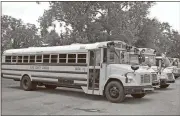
point(32, 59)
point(81, 58)
point(39, 58)
point(25, 59)
point(14, 58)
point(46, 58)
point(19, 59)
point(8, 59)
point(62, 58)
point(71, 58)
point(54, 58)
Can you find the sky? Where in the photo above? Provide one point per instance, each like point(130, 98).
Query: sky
point(29, 12)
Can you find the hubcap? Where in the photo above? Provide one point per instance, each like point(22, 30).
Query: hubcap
point(25, 83)
point(114, 92)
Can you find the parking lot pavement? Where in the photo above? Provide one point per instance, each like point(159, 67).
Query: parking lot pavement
point(67, 102)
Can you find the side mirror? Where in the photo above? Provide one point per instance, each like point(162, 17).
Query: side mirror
point(134, 67)
point(149, 65)
point(143, 58)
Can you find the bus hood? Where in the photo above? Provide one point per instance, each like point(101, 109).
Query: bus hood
point(124, 68)
point(148, 68)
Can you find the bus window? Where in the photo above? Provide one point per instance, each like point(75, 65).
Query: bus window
point(19, 59)
point(39, 58)
point(25, 59)
point(32, 59)
point(71, 58)
point(54, 58)
point(8, 59)
point(46, 58)
point(81, 58)
point(14, 58)
point(62, 58)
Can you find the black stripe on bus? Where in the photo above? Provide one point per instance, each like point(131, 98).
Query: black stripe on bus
point(47, 64)
point(11, 74)
point(72, 72)
point(55, 77)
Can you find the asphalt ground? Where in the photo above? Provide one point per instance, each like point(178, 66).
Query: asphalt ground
point(62, 101)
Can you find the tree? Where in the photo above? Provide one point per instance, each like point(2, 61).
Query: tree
point(17, 35)
point(98, 21)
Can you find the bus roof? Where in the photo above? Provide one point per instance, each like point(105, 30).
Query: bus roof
point(66, 48)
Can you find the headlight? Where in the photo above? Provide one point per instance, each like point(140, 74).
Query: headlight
point(129, 78)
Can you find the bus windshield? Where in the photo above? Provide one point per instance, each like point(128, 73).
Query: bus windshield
point(150, 59)
point(134, 59)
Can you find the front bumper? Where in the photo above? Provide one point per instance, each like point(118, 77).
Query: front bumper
point(176, 74)
point(170, 81)
point(165, 81)
point(138, 89)
point(155, 83)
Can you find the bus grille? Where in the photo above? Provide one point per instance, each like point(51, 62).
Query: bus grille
point(170, 76)
point(154, 77)
point(178, 70)
point(145, 78)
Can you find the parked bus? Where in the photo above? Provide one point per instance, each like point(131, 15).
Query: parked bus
point(165, 75)
point(96, 68)
point(139, 57)
point(175, 66)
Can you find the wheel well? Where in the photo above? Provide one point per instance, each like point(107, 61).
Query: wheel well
point(112, 79)
point(24, 75)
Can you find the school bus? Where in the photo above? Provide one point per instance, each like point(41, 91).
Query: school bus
point(96, 68)
point(165, 75)
point(175, 66)
point(145, 59)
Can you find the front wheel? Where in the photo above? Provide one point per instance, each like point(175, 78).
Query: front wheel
point(138, 95)
point(114, 92)
point(51, 86)
point(176, 77)
point(164, 86)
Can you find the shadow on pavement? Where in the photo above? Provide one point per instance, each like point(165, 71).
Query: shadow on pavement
point(65, 92)
point(131, 100)
point(164, 89)
point(80, 94)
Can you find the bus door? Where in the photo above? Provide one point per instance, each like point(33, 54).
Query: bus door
point(94, 69)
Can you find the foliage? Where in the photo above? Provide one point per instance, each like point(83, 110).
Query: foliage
point(17, 35)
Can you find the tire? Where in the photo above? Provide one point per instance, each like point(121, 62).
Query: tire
point(176, 77)
point(138, 95)
point(51, 86)
point(27, 84)
point(114, 92)
point(164, 86)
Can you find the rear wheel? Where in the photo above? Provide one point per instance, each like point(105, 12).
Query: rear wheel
point(114, 92)
point(138, 95)
point(27, 84)
point(51, 86)
point(164, 86)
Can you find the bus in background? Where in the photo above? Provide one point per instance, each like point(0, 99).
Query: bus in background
point(165, 75)
point(175, 66)
point(144, 63)
point(96, 68)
